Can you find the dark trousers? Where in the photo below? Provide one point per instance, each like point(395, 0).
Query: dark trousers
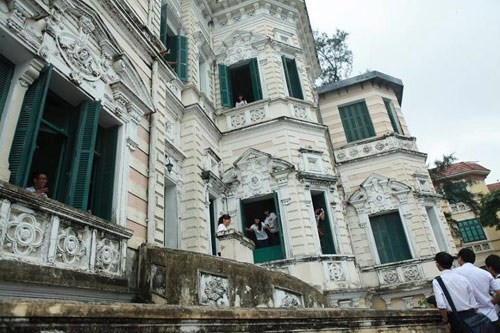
point(456, 323)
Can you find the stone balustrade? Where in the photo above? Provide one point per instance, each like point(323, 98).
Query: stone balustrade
point(234, 245)
point(372, 147)
point(45, 232)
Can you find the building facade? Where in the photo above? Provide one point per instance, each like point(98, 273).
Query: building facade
point(129, 108)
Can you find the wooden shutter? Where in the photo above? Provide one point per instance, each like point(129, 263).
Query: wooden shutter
point(182, 58)
point(226, 93)
point(6, 71)
point(292, 77)
point(390, 238)
point(24, 143)
point(163, 25)
point(392, 116)
point(281, 252)
point(105, 174)
point(356, 121)
point(83, 155)
point(327, 244)
point(254, 75)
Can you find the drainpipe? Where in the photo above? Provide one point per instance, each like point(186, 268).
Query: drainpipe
point(150, 220)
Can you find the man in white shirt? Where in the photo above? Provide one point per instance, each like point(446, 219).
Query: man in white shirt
point(459, 289)
point(272, 222)
point(483, 284)
point(492, 263)
point(39, 187)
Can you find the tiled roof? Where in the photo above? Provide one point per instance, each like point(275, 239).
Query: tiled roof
point(463, 168)
point(494, 187)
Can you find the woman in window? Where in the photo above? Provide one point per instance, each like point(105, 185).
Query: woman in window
point(241, 101)
point(259, 229)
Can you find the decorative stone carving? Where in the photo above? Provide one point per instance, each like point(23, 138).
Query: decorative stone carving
point(108, 255)
point(23, 235)
point(158, 279)
point(257, 114)
point(300, 112)
point(390, 276)
point(214, 290)
point(286, 299)
point(238, 120)
point(71, 247)
point(375, 147)
point(336, 271)
point(411, 273)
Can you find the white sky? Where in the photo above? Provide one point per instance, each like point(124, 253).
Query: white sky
point(447, 52)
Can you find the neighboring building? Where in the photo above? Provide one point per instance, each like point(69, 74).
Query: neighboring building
point(129, 107)
point(468, 231)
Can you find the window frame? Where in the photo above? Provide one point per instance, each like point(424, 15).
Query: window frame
point(476, 225)
point(290, 69)
point(360, 122)
point(393, 117)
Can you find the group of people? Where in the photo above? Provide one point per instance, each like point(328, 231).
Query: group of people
point(267, 231)
point(460, 293)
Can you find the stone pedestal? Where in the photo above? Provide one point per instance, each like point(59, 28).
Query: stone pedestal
point(236, 246)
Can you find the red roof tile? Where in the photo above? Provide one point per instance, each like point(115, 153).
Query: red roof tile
point(463, 168)
point(494, 187)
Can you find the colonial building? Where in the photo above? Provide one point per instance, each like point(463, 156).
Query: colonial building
point(467, 230)
point(129, 108)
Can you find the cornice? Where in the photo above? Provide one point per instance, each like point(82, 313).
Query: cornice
point(201, 114)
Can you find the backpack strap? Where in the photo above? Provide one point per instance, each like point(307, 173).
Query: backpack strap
point(447, 295)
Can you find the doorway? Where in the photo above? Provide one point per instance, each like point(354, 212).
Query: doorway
point(322, 219)
point(266, 209)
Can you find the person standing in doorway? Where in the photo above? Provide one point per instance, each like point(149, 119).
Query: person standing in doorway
point(224, 222)
point(259, 229)
point(272, 222)
point(39, 186)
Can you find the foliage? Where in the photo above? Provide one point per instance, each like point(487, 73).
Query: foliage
point(451, 189)
point(486, 206)
point(490, 207)
point(334, 55)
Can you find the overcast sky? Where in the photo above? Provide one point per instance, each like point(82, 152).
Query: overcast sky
point(447, 53)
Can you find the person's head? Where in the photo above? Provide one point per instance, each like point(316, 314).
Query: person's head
point(466, 255)
point(318, 210)
point(266, 212)
point(240, 97)
point(257, 222)
point(39, 180)
point(443, 260)
point(431, 300)
point(225, 219)
point(492, 263)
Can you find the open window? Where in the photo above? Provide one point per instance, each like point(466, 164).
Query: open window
point(264, 207)
point(323, 224)
point(73, 143)
point(292, 77)
point(6, 72)
point(176, 45)
point(390, 237)
point(240, 79)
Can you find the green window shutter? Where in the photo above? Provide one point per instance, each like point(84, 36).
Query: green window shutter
point(471, 231)
point(163, 25)
point(356, 121)
point(182, 57)
point(24, 143)
point(390, 238)
point(83, 155)
point(392, 116)
point(6, 71)
point(102, 201)
point(254, 75)
point(292, 77)
point(226, 93)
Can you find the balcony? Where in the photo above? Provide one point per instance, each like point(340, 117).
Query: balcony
point(45, 232)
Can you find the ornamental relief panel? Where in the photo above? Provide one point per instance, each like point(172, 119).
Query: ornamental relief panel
point(287, 299)
point(213, 290)
point(336, 272)
point(400, 274)
point(73, 246)
point(374, 148)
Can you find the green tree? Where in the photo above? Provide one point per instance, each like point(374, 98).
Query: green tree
point(487, 207)
point(334, 55)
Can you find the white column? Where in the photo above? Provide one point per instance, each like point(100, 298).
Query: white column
point(24, 75)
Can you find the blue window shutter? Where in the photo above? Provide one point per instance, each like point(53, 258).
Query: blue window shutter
point(356, 121)
point(254, 75)
point(24, 143)
point(226, 93)
point(182, 58)
point(83, 155)
point(6, 71)
point(163, 25)
point(390, 238)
